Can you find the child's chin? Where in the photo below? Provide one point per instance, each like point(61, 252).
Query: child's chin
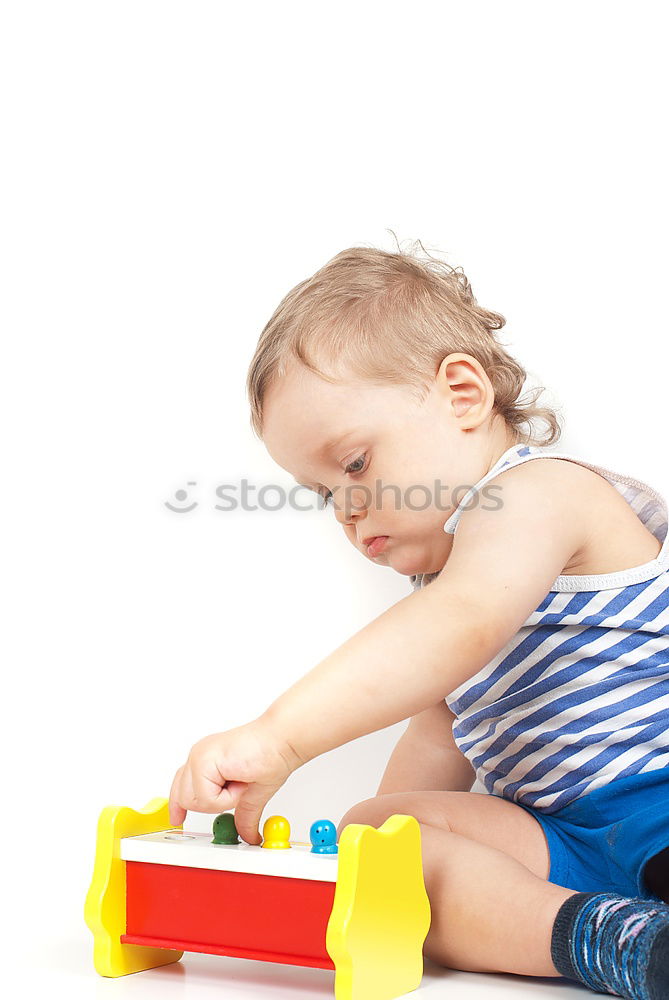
point(419, 567)
point(408, 559)
point(410, 567)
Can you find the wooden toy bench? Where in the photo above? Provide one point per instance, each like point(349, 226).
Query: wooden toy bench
point(158, 891)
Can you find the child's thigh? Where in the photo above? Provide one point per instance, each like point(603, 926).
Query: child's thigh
point(488, 819)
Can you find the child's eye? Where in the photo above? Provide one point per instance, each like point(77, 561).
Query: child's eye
point(352, 466)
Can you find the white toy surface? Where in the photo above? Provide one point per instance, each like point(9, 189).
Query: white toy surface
point(190, 849)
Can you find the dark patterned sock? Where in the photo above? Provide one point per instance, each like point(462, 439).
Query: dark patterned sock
point(614, 945)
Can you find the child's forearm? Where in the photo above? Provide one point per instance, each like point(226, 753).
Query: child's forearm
point(404, 661)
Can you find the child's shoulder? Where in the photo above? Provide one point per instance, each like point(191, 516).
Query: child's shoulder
point(549, 471)
point(612, 535)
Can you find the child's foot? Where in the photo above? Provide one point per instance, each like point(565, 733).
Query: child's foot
point(613, 945)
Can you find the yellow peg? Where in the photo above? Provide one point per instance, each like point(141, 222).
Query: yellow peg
point(276, 833)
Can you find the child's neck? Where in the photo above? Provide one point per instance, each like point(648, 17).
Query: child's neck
point(501, 437)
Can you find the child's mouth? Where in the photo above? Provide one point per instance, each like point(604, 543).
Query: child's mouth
point(377, 545)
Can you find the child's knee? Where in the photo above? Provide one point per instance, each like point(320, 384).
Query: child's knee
point(376, 810)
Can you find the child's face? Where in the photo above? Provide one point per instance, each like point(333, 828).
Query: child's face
point(357, 439)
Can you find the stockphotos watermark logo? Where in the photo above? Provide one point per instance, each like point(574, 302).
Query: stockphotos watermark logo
point(272, 497)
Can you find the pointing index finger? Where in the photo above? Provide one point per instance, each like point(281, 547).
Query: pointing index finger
point(177, 813)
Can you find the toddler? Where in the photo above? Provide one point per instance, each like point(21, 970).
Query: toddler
point(532, 652)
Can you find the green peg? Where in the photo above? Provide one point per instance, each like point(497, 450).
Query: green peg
point(225, 831)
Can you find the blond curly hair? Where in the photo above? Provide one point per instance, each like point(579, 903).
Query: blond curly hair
point(393, 317)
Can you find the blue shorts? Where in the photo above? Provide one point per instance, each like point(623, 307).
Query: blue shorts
point(601, 841)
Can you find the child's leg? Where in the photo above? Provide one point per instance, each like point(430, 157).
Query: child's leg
point(485, 863)
point(489, 912)
point(492, 913)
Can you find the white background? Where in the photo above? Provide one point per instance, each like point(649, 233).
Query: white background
point(170, 171)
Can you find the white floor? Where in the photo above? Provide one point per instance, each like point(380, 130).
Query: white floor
point(64, 967)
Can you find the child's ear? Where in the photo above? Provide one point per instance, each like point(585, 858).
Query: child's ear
point(466, 388)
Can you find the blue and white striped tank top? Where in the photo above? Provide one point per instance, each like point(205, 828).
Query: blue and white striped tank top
point(580, 695)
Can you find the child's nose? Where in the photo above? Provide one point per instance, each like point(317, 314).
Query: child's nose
point(353, 506)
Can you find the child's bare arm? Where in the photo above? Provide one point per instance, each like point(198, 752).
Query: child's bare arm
point(501, 566)
point(426, 757)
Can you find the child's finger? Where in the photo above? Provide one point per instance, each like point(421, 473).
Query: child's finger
point(177, 813)
point(234, 790)
point(216, 795)
point(247, 816)
point(209, 793)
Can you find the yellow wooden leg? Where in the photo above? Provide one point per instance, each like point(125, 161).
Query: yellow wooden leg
point(104, 911)
point(381, 912)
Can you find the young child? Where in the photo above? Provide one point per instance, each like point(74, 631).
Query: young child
point(533, 652)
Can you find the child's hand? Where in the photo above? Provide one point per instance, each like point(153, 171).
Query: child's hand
point(240, 769)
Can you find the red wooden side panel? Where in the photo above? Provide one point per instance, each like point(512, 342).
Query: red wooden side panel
point(232, 913)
